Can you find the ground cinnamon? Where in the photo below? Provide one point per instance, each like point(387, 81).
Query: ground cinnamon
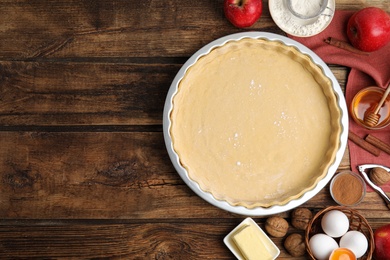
point(347, 189)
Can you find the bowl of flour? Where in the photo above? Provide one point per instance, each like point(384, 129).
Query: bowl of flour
point(307, 9)
point(302, 18)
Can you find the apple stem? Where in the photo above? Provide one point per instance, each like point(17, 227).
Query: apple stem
point(240, 3)
point(353, 30)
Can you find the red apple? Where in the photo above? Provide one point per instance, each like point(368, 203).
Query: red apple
point(369, 29)
point(382, 243)
point(243, 13)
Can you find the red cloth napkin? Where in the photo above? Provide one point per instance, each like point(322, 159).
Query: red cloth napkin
point(366, 70)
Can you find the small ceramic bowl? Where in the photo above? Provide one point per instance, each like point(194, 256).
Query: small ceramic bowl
point(365, 101)
point(347, 188)
point(269, 244)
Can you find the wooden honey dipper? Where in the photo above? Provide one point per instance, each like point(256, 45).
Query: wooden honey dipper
point(372, 118)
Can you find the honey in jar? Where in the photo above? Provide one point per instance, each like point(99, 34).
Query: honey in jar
point(365, 101)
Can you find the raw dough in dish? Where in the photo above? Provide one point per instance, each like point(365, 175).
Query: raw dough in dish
point(255, 123)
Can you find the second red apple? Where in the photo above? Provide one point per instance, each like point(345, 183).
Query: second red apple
point(382, 243)
point(369, 29)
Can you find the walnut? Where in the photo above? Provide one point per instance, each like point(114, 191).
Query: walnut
point(295, 245)
point(379, 176)
point(301, 217)
point(276, 226)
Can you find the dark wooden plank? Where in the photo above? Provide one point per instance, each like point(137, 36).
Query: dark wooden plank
point(101, 175)
point(71, 93)
point(92, 175)
point(83, 168)
point(112, 28)
point(120, 28)
point(115, 241)
point(180, 239)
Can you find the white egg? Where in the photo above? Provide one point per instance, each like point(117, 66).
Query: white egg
point(356, 242)
point(322, 245)
point(335, 223)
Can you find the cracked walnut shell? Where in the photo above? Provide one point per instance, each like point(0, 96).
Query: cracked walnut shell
point(276, 226)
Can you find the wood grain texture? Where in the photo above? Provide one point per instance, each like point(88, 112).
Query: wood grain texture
point(120, 28)
point(199, 239)
point(112, 28)
point(86, 93)
point(84, 171)
point(116, 241)
point(84, 178)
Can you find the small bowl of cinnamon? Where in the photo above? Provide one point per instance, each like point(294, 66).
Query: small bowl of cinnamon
point(347, 188)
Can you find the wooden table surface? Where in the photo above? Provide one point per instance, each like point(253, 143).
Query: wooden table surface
point(84, 170)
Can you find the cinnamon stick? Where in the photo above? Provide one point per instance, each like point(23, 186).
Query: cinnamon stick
point(378, 143)
point(364, 144)
point(344, 45)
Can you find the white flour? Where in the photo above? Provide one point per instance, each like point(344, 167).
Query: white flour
point(293, 25)
point(306, 7)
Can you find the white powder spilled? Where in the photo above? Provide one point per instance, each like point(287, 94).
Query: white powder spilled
point(306, 7)
point(293, 25)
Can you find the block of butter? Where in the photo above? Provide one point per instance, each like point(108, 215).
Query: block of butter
point(250, 244)
point(248, 241)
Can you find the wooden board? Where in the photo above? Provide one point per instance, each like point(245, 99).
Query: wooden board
point(83, 167)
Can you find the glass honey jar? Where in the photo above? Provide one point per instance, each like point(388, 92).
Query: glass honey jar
point(365, 101)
